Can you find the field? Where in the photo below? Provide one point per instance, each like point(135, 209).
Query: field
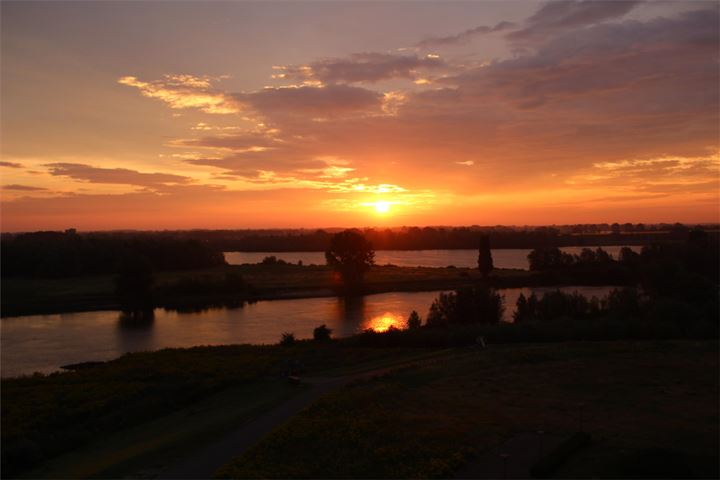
point(651, 408)
point(25, 296)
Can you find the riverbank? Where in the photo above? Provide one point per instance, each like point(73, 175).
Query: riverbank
point(434, 413)
point(29, 296)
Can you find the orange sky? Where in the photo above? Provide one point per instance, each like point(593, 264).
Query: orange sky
point(167, 115)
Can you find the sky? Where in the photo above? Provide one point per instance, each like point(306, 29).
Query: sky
point(176, 115)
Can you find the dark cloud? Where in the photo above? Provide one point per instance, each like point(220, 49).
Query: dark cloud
point(24, 188)
point(661, 66)
point(465, 36)
point(117, 176)
point(362, 67)
point(313, 102)
point(239, 141)
point(11, 164)
point(559, 16)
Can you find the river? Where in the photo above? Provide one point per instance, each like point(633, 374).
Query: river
point(502, 257)
point(44, 342)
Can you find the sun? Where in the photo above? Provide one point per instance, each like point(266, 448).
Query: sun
point(382, 206)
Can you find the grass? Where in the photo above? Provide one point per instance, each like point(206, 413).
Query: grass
point(430, 420)
point(25, 296)
point(28, 296)
point(46, 416)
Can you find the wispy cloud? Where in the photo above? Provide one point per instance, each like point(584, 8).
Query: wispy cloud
point(559, 16)
point(11, 164)
point(185, 91)
point(118, 176)
point(365, 67)
point(465, 36)
point(23, 188)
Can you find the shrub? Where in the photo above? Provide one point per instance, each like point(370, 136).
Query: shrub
point(322, 333)
point(287, 339)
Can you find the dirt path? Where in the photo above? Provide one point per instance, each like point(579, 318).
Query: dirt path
point(205, 461)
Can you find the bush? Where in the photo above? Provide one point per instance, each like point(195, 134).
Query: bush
point(322, 333)
point(287, 339)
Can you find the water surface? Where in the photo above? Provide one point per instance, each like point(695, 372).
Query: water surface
point(44, 342)
point(502, 257)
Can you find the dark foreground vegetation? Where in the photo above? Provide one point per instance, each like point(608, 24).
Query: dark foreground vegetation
point(428, 419)
point(45, 415)
point(650, 408)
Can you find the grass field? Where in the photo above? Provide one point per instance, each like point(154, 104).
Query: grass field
point(24, 296)
point(651, 407)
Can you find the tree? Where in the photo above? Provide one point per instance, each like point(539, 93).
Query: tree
point(322, 333)
point(549, 259)
point(134, 285)
point(414, 321)
point(522, 311)
point(287, 339)
point(485, 261)
point(478, 304)
point(351, 255)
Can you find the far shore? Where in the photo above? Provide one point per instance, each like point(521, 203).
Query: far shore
point(34, 296)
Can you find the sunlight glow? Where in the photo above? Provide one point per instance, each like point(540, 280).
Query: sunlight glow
point(381, 206)
point(382, 323)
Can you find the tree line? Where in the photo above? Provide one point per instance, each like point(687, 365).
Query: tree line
point(62, 254)
point(432, 238)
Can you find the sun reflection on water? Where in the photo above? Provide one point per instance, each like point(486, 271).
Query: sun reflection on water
point(382, 323)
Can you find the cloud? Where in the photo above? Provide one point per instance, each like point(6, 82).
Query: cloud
point(559, 16)
point(313, 102)
point(117, 176)
point(552, 18)
point(11, 164)
point(465, 36)
point(360, 67)
point(24, 188)
point(597, 89)
point(631, 67)
point(185, 91)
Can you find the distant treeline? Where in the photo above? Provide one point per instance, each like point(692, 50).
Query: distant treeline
point(58, 254)
point(451, 238)
point(417, 238)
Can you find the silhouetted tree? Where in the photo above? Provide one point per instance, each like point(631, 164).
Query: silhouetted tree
point(549, 259)
point(522, 312)
point(467, 305)
point(485, 261)
point(414, 321)
point(287, 339)
point(134, 285)
point(628, 257)
point(322, 333)
point(351, 255)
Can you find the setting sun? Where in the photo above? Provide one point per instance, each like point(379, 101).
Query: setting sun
point(382, 206)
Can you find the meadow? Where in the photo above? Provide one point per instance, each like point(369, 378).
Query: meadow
point(28, 296)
